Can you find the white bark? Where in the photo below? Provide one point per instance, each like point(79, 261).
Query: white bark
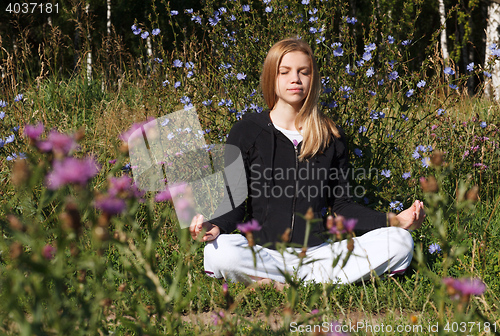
point(108, 25)
point(492, 89)
point(444, 43)
point(89, 53)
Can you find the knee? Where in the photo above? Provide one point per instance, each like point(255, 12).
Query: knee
point(402, 242)
point(222, 252)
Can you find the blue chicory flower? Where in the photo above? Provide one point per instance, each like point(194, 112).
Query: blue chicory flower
point(421, 84)
point(470, 66)
point(390, 39)
point(449, 71)
point(406, 175)
point(386, 173)
point(156, 31)
point(434, 248)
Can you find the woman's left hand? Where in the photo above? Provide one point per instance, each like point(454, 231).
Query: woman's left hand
point(413, 217)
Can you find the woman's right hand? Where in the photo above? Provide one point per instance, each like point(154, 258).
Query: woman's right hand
point(197, 226)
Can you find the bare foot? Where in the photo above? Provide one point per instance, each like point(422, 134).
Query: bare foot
point(263, 282)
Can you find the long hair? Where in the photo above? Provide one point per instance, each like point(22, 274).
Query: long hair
point(317, 129)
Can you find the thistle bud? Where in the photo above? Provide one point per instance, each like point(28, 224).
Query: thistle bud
point(16, 249)
point(350, 245)
point(437, 159)
point(80, 134)
point(471, 195)
point(429, 184)
point(249, 236)
point(309, 214)
point(302, 253)
point(339, 223)
point(285, 237)
point(20, 172)
point(15, 223)
point(329, 222)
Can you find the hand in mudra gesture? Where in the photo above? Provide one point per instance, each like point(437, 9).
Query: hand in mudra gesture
point(197, 226)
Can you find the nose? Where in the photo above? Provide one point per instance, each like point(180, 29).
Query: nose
point(295, 77)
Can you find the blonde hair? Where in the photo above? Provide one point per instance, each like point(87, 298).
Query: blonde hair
point(317, 128)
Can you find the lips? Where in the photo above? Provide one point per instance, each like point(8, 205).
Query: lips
point(295, 90)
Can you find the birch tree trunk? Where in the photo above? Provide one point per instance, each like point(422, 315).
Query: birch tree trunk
point(89, 53)
point(492, 89)
point(444, 43)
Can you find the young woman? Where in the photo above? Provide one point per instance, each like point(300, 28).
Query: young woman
point(295, 159)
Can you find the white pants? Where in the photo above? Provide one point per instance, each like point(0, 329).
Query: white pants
point(383, 250)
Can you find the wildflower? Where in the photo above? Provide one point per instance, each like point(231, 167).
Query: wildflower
point(207, 102)
point(416, 155)
point(487, 74)
point(351, 20)
point(386, 173)
point(373, 93)
point(367, 56)
point(406, 175)
point(71, 170)
point(348, 70)
point(222, 10)
point(48, 252)
point(174, 12)
point(449, 71)
point(421, 84)
point(406, 42)
point(196, 18)
point(425, 162)
point(404, 117)
point(165, 82)
point(14, 156)
point(370, 72)
point(190, 74)
point(189, 11)
point(177, 84)
point(158, 60)
point(440, 111)
point(144, 35)
point(320, 39)
point(409, 93)
point(390, 39)
point(2, 115)
point(33, 132)
point(245, 8)
point(213, 21)
point(434, 248)
point(483, 124)
point(453, 86)
point(19, 97)
point(360, 63)
point(110, 204)
point(156, 31)
point(313, 11)
point(464, 287)
point(218, 317)
point(380, 82)
point(370, 47)
point(177, 63)
point(393, 75)
point(470, 67)
point(313, 18)
point(396, 205)
point(10, 139)
point(269, 9)
point(241, 76)
point(338, 52)
point(313, 30)
point(136, 30)
point(305, 2)
point(59, 143)
point(362, 129)
point(358, 152)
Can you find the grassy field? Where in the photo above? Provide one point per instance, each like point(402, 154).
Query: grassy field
point(70, 264)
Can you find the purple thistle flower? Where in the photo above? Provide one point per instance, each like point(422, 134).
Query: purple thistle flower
point(250, 226)
point(49, 252)
point(350, 223)
point(110, 205)
point(434, 248)
point(33, 132)
point(58, 143)
point(71, 170)
point(470, 286)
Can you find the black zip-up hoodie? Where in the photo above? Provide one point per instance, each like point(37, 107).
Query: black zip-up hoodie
point(280, 186)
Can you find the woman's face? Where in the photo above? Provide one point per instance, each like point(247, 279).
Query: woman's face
point(294, 79)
